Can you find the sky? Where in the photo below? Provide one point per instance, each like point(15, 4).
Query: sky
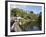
point(35, 9)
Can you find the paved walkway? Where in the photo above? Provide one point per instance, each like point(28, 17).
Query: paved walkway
point(15, 26)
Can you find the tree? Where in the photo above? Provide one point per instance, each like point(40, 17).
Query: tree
point(39, 20)
point(31, 11)
point(13, 12)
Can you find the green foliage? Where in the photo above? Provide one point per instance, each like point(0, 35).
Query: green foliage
point(31, 11)
point(40, 20)
point(29, 18)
